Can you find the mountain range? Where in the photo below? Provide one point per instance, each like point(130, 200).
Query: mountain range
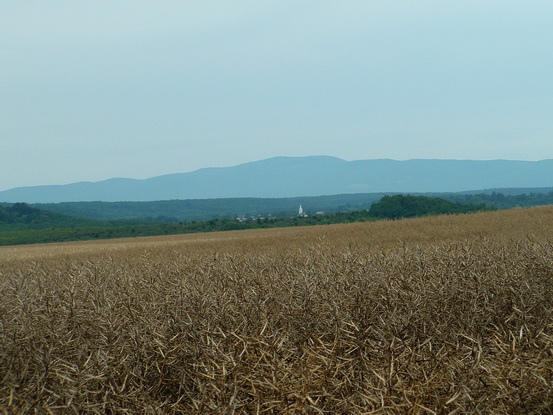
point(280, 177)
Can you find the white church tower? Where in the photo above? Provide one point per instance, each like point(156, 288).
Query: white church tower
point(301, 213)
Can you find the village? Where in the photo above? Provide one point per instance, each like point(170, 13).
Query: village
point(301, 214)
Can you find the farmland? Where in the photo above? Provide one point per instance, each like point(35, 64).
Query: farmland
point(448, 314)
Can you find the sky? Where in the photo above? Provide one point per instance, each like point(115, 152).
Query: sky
point(91, 90)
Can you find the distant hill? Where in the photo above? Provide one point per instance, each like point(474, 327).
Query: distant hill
point(282, 177)
point(39, 223)
point(24, 224)
point(204, 209)
point(21, 216)
point(409, 206)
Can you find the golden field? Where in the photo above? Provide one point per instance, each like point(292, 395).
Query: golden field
point(443, 315)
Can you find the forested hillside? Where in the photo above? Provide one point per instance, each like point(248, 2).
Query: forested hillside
point(22, 216)
point(25, 224)
point(21, 223)
point(407, 206)
point(206, 209)
point(167, 211)
point(503, 200)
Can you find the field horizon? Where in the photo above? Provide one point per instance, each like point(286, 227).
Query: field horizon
point(445, 227)
point(433, 315)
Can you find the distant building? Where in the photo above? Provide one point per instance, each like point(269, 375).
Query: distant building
point(301, 213)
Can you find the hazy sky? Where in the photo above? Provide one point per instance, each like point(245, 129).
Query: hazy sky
point(96, 89)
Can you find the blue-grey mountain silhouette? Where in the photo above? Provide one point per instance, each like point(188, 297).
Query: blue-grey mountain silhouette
point(302, 176)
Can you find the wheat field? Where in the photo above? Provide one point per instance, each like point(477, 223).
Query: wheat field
point(443, 315)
